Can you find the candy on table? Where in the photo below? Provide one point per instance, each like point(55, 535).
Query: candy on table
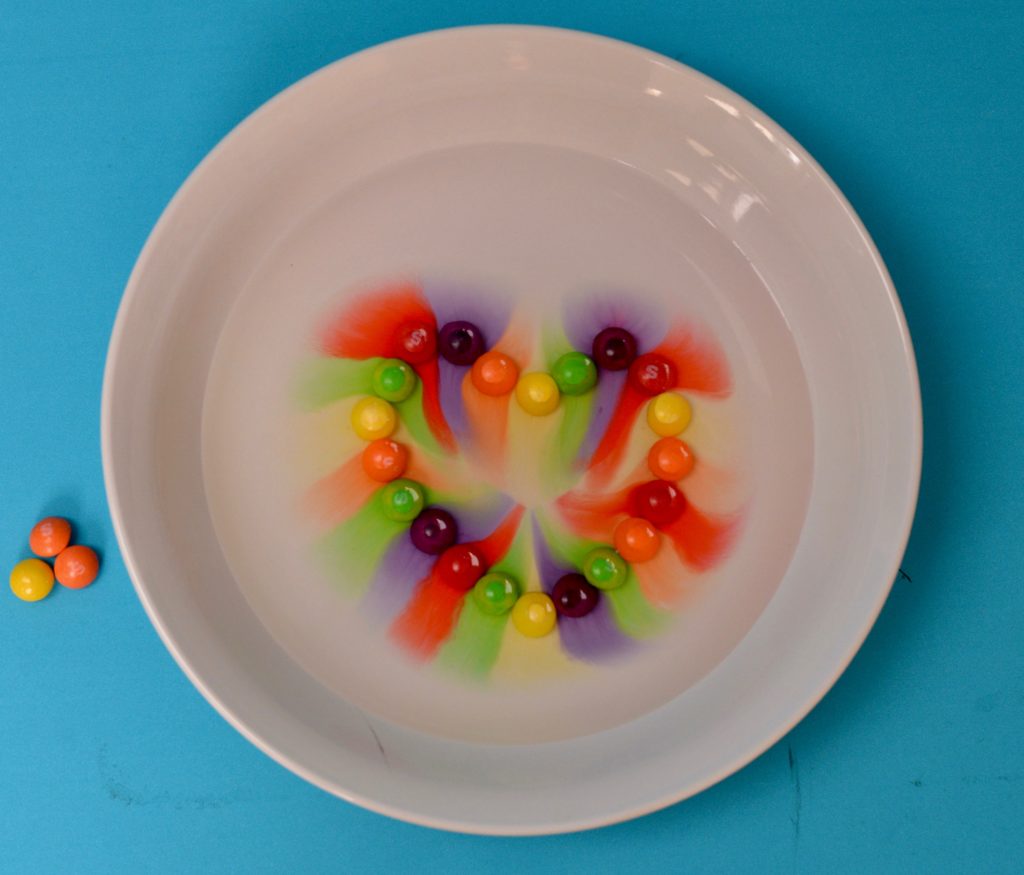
point(417, 342)
point(49, 536)
point(433, 531)
point(658, 502)
point(670, 459)
point(373, 418)
point(385, 460)
point(31, 580)
point(652, 373)
point(668, 414)
point(636, 540)
point(575, 373)
point(604, 568)
point(494, 373)
point(76, 567)
point(461, 342)
point(402, 500)
point(574, 596)
point(534, 614)
point(495, 593)
point(393, 380)
point(537, 393)
point(614, 349)
point(460, 566)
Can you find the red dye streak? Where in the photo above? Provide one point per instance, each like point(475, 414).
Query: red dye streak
point(613, 441)
point(339, 495)
point(700, 362)
point(700, 540)
point(431, 615)
point(370, 326)
point(430, 375)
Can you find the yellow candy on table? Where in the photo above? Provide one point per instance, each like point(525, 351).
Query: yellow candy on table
point(668, 414)
point(374, 418)
point(537, 393)
point(534, 614)
point(31, 580)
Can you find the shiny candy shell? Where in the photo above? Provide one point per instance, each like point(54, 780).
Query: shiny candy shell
point(393, 380)
point(385, 460)
point(574, 596)
point(494, 373)
point(49, 536)
point(461, 343)
point(668, 414)
point(460, 567)
point(651, 374)
point(373, 418)
point(534, 615)
point(495, 593)
point(76, 567)
point(31, 580)
point(402, 500)
point(575, 373)
point(416, 342)
point(614, 349)
point(537, 393)
point(670, 459)
point(658, 502)
point(636, 540)
point(433, 531)
point(604, 568)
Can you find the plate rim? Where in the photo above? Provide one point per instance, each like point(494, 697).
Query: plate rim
point(914, 424)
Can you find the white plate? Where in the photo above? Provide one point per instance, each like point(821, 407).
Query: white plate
point(539, 171)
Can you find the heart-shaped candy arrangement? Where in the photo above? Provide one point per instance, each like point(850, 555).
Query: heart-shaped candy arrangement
point(490, 503)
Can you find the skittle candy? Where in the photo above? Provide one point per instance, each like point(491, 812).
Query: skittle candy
point(49, 536)
point(574, 596)
point(614, 349)
point(658, 502)
point(575, 373)
point(534, 614)
point(31, 580)
point(537, 393)
point(402, 500)
point(461, 343)
point(668, 414)
point(670, 459)
point(495, 593)
point(393, 380)
point(433, 531)
point(494, 373)
point(385, 460)
point(373, 418)
point(460, 567)
point(417, 342)
point(636, 540)
point(604, 568)
point(651, 374)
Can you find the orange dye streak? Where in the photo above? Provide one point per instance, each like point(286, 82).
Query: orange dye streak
point(593, 516)
point(701, 540)
point(431, 615)
point(488, 418)
point(336, 497)
point(662, 580)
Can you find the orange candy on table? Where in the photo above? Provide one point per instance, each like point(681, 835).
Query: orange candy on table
point(76, 567)
point(49, 536)
point(494, 373)
point(670, 459)
point(385, 460)
point(636, 540)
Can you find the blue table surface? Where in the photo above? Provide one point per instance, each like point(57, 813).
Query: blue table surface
point(111, 762)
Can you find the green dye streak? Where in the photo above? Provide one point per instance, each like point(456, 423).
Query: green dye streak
point(324, 380)
point(475, 643)
point(632, 613)
point(353, 549)
point(554, 343)
point(561, 458)
point(411, 412)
